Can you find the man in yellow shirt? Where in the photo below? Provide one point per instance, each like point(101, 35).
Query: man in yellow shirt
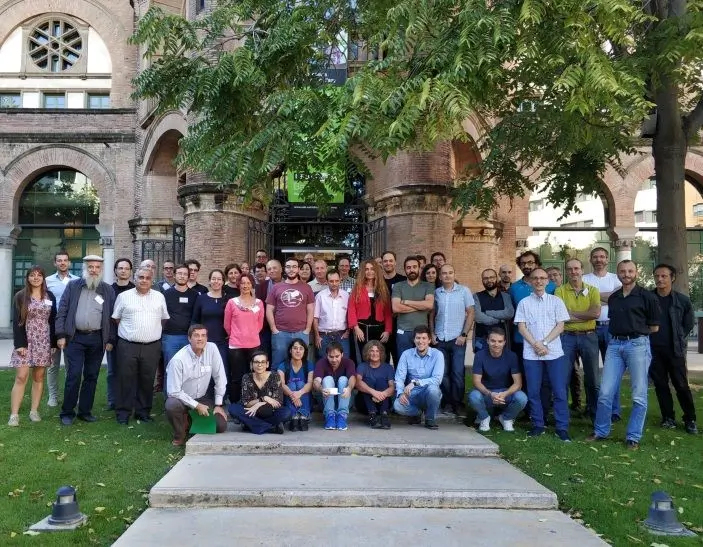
point(579, 338)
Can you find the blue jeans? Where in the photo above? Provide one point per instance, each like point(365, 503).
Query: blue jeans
point(280, 342)
point(171, 344)
point(84, 355)
point(427, 398)
point(296, 384)
point(586, 347)
point(327, 338)
point(558, 372)
point(603, 333)
point(483, 404)
point(260, 425)
point(454, 381)
point(336, 403)
point(636, 356)
point(404, 341)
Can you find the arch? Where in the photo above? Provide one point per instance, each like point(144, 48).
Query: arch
point(26, 167)
point(169, 121)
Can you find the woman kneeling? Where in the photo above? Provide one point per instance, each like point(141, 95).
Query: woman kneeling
point(375, 383)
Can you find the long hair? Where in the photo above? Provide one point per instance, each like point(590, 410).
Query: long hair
point(380, 288)
point(24, 296)
point(423, 275)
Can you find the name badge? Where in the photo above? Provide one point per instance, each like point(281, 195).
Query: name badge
point(48, 302)
point(255, 309)
point(183, 299)
point(99, 299)
point(400, 331)
point(371, 293)
point(348, 290)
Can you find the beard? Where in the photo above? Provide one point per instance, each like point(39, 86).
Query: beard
point(412, 276)
point(92, 281)
point(293, 276)
point(489, 286)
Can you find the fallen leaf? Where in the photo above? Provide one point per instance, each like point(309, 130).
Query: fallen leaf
point(99, 509)
point(13, 534)
point(698, 486)
point(81, 443)
point(53, 451)
point(658, 545)
point(632, 538)
point(656, 481)
point(100, 484)
point(548, 474)
point(680, 510)
point(61, 457)
point(593, 448)
point(31, 533)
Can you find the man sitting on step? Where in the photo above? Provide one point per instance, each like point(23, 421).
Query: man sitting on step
point(188, 376)
point(497, 383)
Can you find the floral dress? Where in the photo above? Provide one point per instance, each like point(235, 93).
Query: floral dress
point(38, 332)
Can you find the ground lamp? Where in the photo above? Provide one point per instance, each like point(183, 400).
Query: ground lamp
point(662, 517)
point(65, 514)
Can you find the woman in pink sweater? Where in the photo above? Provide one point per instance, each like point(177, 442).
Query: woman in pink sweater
point(244, 317)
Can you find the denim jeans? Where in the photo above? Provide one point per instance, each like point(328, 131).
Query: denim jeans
point(84, 355)
point(603, 333)
point(256, 424)
point(483, 404)
point(404, 341)
point(636, 356)
point(584, 346)
point(171, 344)
point(427, 398)
point(327, 338)
point(280, 342)
point(558, 372)
point(296, 384)
point(454, 381)
point(336, 403)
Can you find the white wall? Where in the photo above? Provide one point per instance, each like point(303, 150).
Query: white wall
point(11, 52)
point(99, 61)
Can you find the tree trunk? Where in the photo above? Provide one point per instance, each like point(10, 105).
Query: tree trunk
point(669, 149)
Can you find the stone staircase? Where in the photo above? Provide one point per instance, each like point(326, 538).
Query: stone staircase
point(407, 485)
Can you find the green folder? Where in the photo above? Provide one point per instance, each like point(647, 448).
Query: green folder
point(202, 424)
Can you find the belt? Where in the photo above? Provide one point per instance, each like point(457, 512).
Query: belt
point(88, 331)
point(578, 332)
point(331, 332)
point(140, 343)
point(626, 336)
point(602, 323)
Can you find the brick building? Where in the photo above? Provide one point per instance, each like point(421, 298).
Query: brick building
point(85, 167)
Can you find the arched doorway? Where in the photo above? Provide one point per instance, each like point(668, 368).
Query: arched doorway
point(57, 211)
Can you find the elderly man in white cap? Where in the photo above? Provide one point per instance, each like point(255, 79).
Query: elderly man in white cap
point(84, 329)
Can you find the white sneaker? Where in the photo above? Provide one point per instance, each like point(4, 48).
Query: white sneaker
point(34, 416)
point(485, 424)
point(53, 401)
point(14, 420)
point(507, 424)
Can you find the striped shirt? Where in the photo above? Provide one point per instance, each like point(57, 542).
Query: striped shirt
point(540, 315)
point(140, 315)
point(450, 311)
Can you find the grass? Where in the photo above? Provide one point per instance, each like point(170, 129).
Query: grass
point(608, 487)
point(112, 468)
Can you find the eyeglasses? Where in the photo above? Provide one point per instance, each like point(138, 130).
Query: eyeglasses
point(528, 263)
point(260, 362)
point(168, 267)
point(193, 269)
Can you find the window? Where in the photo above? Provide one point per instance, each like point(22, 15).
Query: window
point(536, 205)
point(101, 100)
point(645, 217)
point(55, 45)
point(10, 100)
point(649, 184)
point(579, 224)
point(54, 100)
point(698, 210)
point(580, 198)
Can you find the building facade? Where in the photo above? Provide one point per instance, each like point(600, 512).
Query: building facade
point(85, 167)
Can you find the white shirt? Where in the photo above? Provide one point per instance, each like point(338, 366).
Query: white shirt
point(331, 313)
point(540, 315)
point(140, 315)
point(188, 375)
point(608, 283)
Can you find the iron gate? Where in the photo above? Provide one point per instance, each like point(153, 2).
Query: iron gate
point(259, 236)
point(374, 238)
point(163, 250)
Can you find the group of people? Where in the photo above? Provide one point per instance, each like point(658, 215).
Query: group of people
point(269, 341)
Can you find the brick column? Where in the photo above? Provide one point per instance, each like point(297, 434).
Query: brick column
point(624, 239)
point(8, 240)
point(477, 245)
point(107, 234)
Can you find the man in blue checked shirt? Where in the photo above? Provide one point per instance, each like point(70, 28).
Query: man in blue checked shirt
point(417, 379)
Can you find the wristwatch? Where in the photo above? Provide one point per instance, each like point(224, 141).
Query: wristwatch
point(416, 382)
point(463, 334)
point(545, 342)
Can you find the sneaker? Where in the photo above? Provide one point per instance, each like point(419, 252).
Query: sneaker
point(431, 424)
point(386, 420)
point(668, 423)
point(14, 420)
point(507, 424)
point(374, 421)
point(593, 438)
point(632, 445)
point(563, 435)
point(279, 429)
point(535, 432)
point(485, 424)
point(341, 422)
point(331, 421)
point(53, 401)
point(414, 420)
point(691, 427)
point(34, 416)
point(304, 424)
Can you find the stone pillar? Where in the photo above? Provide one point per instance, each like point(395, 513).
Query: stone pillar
point(477, 245)
point(216, 221)
point(107, 234)
point(149, 228)
point(8, 240)
point(624, 240)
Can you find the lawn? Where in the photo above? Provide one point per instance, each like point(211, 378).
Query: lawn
point(608, 487)
point(112, 468)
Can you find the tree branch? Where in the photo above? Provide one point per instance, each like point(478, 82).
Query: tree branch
point(694, 120)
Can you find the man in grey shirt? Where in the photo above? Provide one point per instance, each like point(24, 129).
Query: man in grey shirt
point(412, 300)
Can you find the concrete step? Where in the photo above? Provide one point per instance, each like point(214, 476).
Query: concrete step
point(348, 481)
point(223, 527)
point(400, 440)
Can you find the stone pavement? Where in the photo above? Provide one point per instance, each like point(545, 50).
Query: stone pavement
point(405, 486)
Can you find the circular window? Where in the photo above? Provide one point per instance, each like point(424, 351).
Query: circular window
point(55, 45)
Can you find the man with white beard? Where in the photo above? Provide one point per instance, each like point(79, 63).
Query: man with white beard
point(84, 330)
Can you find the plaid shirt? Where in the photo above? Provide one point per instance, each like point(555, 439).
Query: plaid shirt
point(540, 315)
point(450, 311)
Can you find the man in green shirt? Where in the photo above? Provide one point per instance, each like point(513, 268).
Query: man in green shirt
point(412, 300)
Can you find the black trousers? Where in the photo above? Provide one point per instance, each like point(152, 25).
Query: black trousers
point(136, 368)
point(666, 366)
point(239, 361)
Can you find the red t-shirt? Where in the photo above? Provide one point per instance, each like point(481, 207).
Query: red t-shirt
point(290, 301)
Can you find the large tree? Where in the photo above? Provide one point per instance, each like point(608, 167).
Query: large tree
point(565, 85)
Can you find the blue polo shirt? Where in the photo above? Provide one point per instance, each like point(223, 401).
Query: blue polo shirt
point(522, 289)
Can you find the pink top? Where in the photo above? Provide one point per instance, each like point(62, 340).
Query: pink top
point(243, 323)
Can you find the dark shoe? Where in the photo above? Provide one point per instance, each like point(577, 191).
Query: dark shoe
point(632, 445)
point(145, 419)
point(292, 424)
point(279, 430)
point(691, 427)
point(593, 438)
point(373, 421)
point(668, 423)
point(66, 420)
point(385, 421)
point(110, 408)
point(178, 442)
point(414, 420)
point(87, 418)
point(304, 424)
point(563, 435)
point(535, 432)
point(123, 421)
point(615, 418)
point(431, 424)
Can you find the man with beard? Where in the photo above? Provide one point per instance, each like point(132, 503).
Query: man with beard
point(85, 330)
point(634, 314)
point(180, 300)
point(289, 311)
point(412, 300)
point(493, 308)
point(391, 277)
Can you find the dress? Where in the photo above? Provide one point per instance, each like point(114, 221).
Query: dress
point(38, 337)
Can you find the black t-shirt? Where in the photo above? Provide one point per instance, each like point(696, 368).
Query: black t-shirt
point(199, 289)
point(664, 336)
point(119, 289)
point(633, 314)
point(180, 308)
point(496, 372)
point(230, 292)
point(397, 278)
